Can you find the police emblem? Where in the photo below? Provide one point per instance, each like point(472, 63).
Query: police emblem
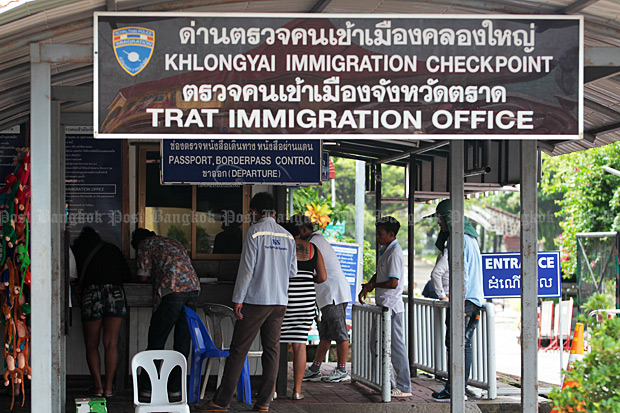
point(133, 47)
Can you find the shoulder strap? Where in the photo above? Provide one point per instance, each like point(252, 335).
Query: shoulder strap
point(87, 261)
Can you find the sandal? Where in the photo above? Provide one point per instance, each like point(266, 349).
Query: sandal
point(111, 394)
point(258, 408)
point(93, 393)
point(209, 407)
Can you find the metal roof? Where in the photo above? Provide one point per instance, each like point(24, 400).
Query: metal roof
point(71, 22)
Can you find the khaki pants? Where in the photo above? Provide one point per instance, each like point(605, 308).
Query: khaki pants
point(267, 319)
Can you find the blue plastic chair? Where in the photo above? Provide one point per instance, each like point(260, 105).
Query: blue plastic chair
point(202, 349)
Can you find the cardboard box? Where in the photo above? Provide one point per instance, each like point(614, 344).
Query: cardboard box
point(91, 405)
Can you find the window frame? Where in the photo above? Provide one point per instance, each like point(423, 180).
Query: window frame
point(141, 204)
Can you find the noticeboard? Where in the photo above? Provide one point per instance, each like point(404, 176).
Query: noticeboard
point(350, 257)
point(175, 75)
point(501, 274)
point(219, 162)
point(93, 176)
point(10, 140)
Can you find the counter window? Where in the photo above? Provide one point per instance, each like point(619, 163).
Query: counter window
point(208, 221)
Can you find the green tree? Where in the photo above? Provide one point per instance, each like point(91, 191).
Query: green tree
point(177, 233)
point(597, 377)
point(548, 225)
point(589, 197)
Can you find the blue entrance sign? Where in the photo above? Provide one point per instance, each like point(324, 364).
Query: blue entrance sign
point(349, 256)
point(246, 161)
point(501, 274)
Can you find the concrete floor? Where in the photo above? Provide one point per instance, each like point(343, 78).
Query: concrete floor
point(322, 397)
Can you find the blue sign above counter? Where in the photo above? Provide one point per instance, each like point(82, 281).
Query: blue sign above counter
point(242, 161)
point(501, 274)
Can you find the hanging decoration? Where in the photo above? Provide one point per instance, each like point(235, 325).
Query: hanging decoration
point(15, 272)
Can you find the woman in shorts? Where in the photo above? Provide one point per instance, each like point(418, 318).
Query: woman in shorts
point(101, 270)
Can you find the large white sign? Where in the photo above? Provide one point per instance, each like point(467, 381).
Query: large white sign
point(289, 76)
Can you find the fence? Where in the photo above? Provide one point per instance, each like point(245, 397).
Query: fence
point(370, 364)
point(430, 351)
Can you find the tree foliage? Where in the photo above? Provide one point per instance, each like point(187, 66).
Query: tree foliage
point(597, 377)
point(589, 196)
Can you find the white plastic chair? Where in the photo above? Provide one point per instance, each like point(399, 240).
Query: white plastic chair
point(159, 382)
point(545, 321)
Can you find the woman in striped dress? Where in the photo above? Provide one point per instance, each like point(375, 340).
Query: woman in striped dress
point(301, 298)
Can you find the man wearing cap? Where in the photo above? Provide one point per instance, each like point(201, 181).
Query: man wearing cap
point(474, 297)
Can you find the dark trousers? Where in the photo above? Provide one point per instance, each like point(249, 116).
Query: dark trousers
point(268, 320)
point(169, 314)
point(472, 316)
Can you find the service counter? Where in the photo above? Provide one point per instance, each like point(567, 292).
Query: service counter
point(134, 331)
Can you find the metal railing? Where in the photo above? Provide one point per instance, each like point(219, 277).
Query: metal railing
point(430, 351)
point(371, 341)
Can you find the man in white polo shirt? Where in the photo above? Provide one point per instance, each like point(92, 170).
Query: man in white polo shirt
point(332, 297)
point(389, 294)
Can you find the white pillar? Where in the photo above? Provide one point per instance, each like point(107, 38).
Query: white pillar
point(457, 279)
point(46, 392)
point(529, 277)
point(360, 205)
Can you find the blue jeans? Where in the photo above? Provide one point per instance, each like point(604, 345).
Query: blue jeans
point(472, 315)
point(169, 314)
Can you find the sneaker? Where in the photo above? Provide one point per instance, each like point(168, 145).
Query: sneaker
point(443, 396)
point(337, 376)
point(310, 375)
point(400, 393)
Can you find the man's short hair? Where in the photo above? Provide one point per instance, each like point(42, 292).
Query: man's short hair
point(389, 224)
point(140, 235)
point(302, 220)
point(263, 203)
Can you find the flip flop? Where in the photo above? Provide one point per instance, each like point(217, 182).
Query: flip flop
point(93, 393)
point(111, 394)
point(258, 408)
point(209, 407)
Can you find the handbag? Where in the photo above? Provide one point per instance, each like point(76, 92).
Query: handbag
point(79, 288)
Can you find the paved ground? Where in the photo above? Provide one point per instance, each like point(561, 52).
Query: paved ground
point(325, 397)
point(356, 398)
point(508, 350)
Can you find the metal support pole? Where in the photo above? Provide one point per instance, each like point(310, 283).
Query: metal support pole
point(47, 377)
point(410, 262)
point(457, 278)
point(291, 192)
point(560, 337)
point(617, 270)
point(378, 213)
point(529, 277)
point(360, 179)
point(386, 355)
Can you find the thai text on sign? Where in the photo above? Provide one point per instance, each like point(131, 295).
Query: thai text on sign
point(287, 76)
